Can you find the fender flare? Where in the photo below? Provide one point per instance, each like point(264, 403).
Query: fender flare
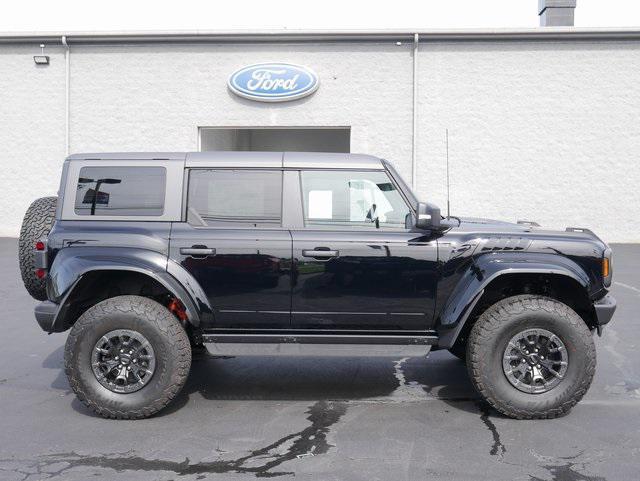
point(485, 269)
point(71, 264)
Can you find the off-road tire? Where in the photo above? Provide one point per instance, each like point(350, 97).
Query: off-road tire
point(163, 331)
point(490, 335)
point(36, 225)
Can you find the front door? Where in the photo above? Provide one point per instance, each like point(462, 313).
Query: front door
point(357, 265)
point(234, 246)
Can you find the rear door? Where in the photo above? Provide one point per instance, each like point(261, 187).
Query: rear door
point(234, 245)
point(357, 267)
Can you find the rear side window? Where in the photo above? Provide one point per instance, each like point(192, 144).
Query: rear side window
point(121, 191)
point(235, 198)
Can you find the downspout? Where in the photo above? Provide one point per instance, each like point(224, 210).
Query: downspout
point(414, 147)
point(66, 87)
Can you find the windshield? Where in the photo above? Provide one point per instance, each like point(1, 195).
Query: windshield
point(406, 190)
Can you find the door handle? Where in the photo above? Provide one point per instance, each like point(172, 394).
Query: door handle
point(197, 251)
point(320, 254)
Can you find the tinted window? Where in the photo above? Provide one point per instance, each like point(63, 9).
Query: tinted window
point(121, 191)
point(352, 199)
point(235, 197)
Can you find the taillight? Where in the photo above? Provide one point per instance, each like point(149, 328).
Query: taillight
point(41, 260)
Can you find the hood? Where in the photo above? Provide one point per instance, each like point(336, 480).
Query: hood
point(478, 223)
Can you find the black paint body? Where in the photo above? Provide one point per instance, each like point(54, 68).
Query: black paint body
point(257, 280)
point(380, 281)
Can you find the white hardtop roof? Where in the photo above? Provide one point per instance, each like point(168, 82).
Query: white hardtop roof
point(224, 159)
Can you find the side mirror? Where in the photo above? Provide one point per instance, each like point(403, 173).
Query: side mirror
point(428, 216)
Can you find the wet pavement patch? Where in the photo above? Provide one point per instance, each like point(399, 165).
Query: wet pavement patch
point(497, 449)
point(311, 441)
point(565, 472)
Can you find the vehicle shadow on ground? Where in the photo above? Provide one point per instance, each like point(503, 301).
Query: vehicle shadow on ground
point(379, 379)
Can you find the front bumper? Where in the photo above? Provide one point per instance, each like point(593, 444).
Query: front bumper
point(45, 315)
point(605, 308)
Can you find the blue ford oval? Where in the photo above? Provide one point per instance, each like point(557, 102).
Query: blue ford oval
point(273, 82)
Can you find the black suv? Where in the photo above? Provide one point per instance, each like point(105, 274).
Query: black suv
point(147, 256)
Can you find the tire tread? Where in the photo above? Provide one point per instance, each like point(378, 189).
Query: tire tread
point(36, 225)
point(485, 329)
point(161, 319)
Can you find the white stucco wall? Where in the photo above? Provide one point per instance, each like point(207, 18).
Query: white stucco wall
point(542, 131)
point(32, 130)
point(154, 98)
point(537, 131)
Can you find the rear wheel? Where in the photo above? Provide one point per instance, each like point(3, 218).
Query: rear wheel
point(531, 357)
point(127, 357)
point(36, 225)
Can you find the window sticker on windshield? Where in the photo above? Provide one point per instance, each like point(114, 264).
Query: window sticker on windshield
point(320, 204)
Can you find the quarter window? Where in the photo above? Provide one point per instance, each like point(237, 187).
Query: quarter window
point(243, 198)
point(121, 191)
point(364, 199)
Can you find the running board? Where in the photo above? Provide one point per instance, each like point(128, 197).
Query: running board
point(319, 345)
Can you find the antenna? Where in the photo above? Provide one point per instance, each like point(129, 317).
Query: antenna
point(448, 184)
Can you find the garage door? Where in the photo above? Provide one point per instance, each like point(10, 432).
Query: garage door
point(293, 139)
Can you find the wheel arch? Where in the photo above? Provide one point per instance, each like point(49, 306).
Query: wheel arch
point(79, 280)
point(494, 278)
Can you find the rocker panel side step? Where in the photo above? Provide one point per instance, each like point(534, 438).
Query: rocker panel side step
point(319, 344)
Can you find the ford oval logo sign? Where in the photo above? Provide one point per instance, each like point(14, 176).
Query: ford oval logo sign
point(273, 82)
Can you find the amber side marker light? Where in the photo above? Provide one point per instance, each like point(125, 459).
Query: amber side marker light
point(606, 267)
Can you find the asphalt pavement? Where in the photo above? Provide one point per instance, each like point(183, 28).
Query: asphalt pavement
point(315, 418)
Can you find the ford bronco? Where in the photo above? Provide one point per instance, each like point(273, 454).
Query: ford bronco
point(148, 256)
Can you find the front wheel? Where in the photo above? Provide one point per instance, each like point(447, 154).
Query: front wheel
point(127, 357)
point(531, 357)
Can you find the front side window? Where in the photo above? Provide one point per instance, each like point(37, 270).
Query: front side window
point(345, 198)
point(121, 191)
point(235, 198)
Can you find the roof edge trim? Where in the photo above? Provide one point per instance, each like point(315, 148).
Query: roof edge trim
point(275, 36)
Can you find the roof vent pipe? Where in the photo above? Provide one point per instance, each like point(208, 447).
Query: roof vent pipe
point(67, 92)
point(556, 13)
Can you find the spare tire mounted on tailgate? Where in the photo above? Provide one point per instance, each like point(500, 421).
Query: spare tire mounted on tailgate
point(36, 225)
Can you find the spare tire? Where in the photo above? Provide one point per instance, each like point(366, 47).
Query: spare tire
point(36, 225)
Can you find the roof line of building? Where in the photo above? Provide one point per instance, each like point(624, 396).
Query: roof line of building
point(257, 36)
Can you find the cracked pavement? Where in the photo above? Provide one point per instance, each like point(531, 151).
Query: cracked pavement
point(316, 418)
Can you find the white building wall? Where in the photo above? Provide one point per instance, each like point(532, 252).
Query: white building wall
point(155, 97)
point(32, 130)
point(542, 131)
point(537, 131)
